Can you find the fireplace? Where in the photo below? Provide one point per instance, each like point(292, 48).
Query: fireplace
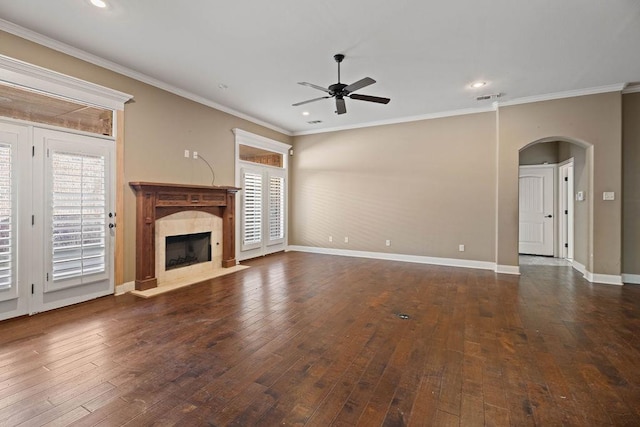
point(174, 209)
point(186, 249)
point(191, 234)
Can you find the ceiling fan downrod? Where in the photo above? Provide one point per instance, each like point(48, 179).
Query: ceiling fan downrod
point(338, 57)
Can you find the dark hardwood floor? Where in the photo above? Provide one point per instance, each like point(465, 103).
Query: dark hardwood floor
point(304, 339)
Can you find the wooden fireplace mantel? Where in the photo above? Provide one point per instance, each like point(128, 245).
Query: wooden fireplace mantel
point(156, 200)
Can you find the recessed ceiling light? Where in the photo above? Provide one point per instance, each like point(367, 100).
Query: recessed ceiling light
point(477, 85)
point(305, 113)
point(99, 3)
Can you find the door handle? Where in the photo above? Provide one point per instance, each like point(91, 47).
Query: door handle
point(548, 216)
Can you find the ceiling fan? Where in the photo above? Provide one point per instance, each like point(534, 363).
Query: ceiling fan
point(340, 90)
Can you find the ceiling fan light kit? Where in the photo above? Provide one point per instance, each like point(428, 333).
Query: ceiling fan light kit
point(340, 90)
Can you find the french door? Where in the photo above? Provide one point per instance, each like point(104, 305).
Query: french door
point(263, 212)
point(56, 244)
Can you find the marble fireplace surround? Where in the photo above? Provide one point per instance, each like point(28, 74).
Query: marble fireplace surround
point(186, 204)
point(187, 222)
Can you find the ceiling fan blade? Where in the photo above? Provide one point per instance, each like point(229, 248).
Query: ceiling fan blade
point(341, 108)
point(310, 100)
point(369, 98)
point(359, 84)
point(314, 86)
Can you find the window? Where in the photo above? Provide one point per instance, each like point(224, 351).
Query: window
point(276, 208)
point(6, 218)
point(261, 174)
point(251, 209)
point(78, 213)
point(40, 108)
point(260, 156)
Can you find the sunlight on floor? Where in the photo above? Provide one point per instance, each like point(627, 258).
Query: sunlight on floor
point(543, 260)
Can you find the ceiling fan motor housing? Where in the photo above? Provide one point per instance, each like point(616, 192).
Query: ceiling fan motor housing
point(337, 89)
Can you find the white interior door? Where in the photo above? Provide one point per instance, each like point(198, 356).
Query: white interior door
point(263, 210)
point(536, 231)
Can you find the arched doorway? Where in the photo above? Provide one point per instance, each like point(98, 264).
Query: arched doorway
point(554, 199)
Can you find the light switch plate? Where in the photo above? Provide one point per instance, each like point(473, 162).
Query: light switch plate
point(608, 195)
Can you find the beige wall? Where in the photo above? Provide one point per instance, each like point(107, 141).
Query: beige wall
point(631, 183)
point(427, 186)
point(431, 185)
point(159, 126)
point(594, 121)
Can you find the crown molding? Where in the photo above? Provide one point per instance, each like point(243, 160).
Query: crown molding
point(618, 87)
point(112, 66)
point(631, 88)
point(418, 118)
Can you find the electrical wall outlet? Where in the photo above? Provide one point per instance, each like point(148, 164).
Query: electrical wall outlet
point(186, 153)
point(346, 240)
point(331, 238)
point(461, 248)
point(608, 195)
point(387, 243)
point(195, 154)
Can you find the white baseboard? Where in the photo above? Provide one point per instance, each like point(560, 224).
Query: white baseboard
point(124, 288)
point(581, 268)
point(633, 279)
point(605, 279)
point(449, 262)
point(508, 269)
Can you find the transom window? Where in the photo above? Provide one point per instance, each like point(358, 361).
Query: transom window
point(37, 107)
point(261, 156)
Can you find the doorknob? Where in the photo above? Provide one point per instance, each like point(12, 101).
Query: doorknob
point(548, 216)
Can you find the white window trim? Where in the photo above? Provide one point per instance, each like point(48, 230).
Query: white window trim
point(22, 74)
point(243, 137)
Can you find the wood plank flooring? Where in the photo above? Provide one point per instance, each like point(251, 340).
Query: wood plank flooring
point(315, 340)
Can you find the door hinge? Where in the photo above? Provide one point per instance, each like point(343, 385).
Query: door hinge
point(47, 276)
point(566, 178)
point(33, 220)
point(566, 212)
point(566, 245)
point(32, 289)
point(33, 151)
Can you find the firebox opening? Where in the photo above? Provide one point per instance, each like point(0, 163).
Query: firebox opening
point(187, 249)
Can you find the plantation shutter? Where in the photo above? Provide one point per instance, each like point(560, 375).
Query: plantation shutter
point(78, 222)
point(252, 209)
point(7, 219)
point(276, 209)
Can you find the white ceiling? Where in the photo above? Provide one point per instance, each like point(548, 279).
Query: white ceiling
point(423, 54)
